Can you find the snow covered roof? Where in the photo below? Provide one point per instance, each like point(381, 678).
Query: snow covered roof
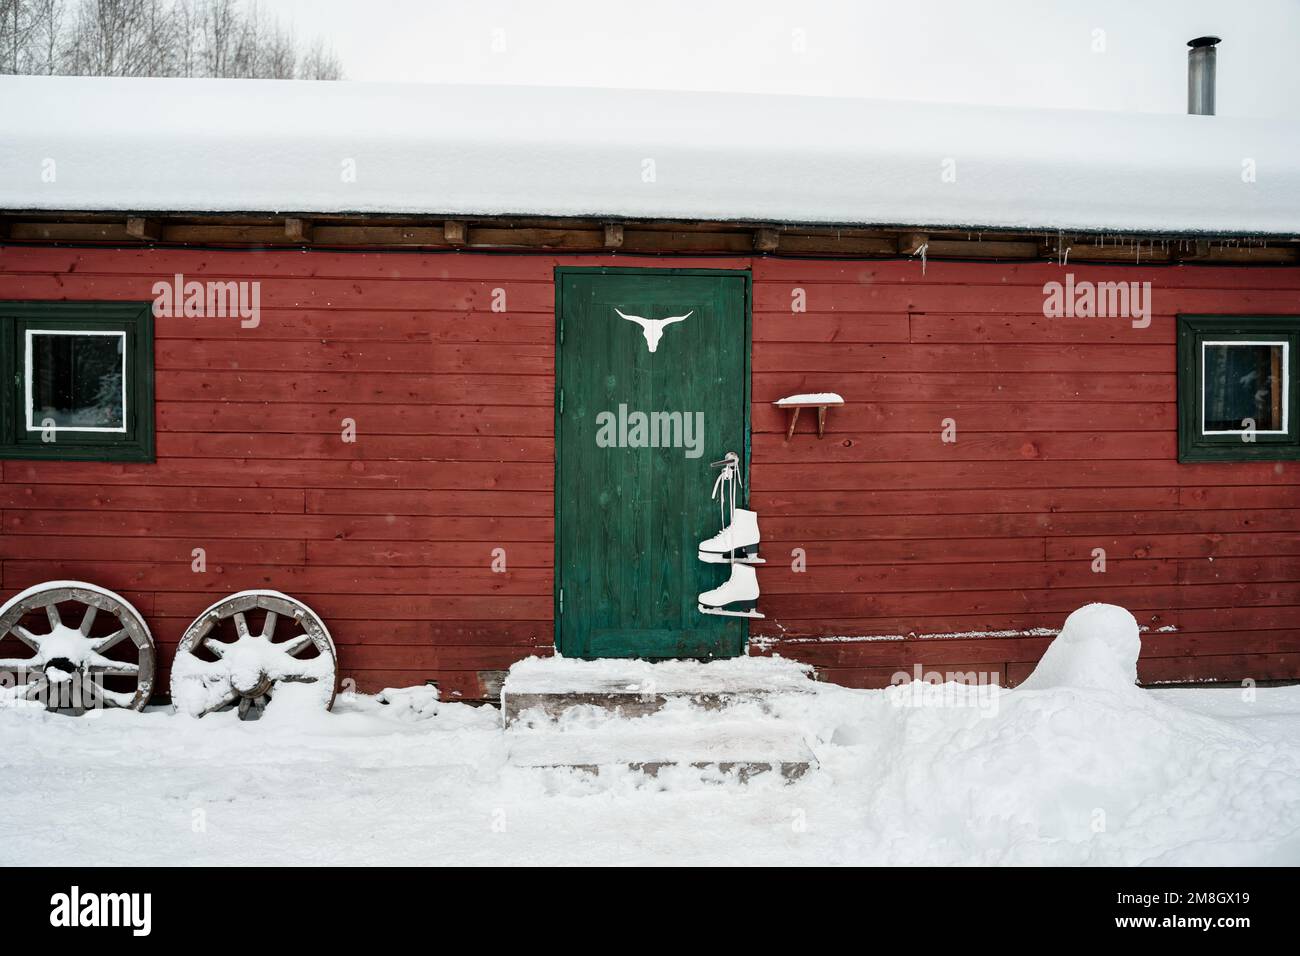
point(266, 146)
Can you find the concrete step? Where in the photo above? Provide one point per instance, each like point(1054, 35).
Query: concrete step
point(630, 688)
point(736, 750)
point(645, 716)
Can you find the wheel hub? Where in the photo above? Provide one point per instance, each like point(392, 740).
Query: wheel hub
point(256, 688)
point(62, 664)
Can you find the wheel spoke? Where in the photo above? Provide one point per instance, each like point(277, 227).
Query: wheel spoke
point(110, 641)
point(215, 646)
point(19, 664)
point(52, 615)
point(88, 620)
point(224, 702)
point(241, 624)
point(268, 627)
point(245, 703)
point(295, 644)
point(111, 698)
point(27, 637)
point(115, 669)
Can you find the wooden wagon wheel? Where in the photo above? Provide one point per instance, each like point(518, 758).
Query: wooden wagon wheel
point(89, 648)
point(289, 644)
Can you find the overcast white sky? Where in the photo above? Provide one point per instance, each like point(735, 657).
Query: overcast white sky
point(1010, 52)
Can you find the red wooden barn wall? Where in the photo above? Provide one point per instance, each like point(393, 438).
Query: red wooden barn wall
point(1066, 442)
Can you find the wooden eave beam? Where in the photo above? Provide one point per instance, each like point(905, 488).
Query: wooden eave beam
point(149, 230)
point(640, 237)
point(298, 230)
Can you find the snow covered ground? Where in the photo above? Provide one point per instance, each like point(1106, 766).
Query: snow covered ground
point(1078, 768)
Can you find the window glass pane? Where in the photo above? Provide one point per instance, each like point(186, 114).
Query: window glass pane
point(1244, 380)
point(76, 379)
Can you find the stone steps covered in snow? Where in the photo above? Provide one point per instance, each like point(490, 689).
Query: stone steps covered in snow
point(634, 688)
point(743, 752)
point(715, 717)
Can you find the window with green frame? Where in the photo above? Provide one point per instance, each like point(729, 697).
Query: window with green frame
point(1237, 398)
point(77, 381)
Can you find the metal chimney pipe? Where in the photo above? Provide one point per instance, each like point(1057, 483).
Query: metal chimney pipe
point(1200, 75)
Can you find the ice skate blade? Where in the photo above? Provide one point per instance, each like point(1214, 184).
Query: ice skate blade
point(719, 612)
point(713, 557)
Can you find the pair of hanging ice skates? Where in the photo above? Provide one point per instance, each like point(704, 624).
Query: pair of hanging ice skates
point(736, 544)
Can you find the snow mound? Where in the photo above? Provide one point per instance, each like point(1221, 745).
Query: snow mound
point(811, 398)
point(1098, 647)
point(410, 703)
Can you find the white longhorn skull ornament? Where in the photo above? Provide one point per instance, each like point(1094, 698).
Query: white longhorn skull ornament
point(653, 329)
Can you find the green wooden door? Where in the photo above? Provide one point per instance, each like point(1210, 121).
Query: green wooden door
point(636, 428)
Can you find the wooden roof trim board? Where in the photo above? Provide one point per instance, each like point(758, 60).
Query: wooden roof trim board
point(649, 237)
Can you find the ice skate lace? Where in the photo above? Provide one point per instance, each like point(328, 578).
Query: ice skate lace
point(724, 489)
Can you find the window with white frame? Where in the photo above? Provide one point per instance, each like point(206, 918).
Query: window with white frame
point(81, 379)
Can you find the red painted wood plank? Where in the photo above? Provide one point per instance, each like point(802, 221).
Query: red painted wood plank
point(388, 607)
point(89, 497)
point(1119, 573)
point(1061, 600)
point(851, 475)
point(1255, 544)
point(292, 292)
point(378, 419)
point(276, 551)
point(959, 621)
point(360, 325)
point(1034, 274)
point(306, 473)
point(1276, 496)
point(811, 530)
point(365, 448)
point(466, 503)
point(452, 685)
point(839, 446)
point(987, 297)
point(430, 554)
point(308, 580)
point(274, 263)
point(1227, 667)
point(1029, 500)
point(1001, 357)
point(525, 635)
point(770, 327)
point(904, 551)
point(882, 579)
point(973, 417)
point(273, 355)
point(203, 527)
point(930, 327)
point(364, 389)
point(1098, 386)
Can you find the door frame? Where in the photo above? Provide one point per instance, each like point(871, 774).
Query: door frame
point(747, 321)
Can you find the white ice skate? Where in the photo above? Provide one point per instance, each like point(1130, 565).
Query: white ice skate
point(736, 542)
point(738, 597)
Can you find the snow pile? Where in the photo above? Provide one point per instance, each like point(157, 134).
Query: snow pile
point(410, 703)
point(1076, 766)
point(1098, 647)
point(269, 146)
